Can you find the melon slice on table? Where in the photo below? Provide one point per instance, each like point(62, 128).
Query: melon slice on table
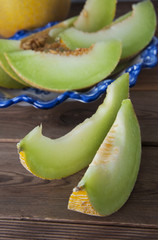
point(58, 158)
point(110, 178)
point(67, 70)
point(135, 30)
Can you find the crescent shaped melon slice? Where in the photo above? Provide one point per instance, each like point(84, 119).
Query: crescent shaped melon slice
point(47, 34)
point(134, 29)
point(58, 158)
point(18, 45)
point(5, 46)
point(110, 178)
point(96, 15)
point(67, 70)
point(7, 82)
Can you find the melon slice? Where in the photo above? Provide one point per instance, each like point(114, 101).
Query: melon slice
point(14, 45)
point(95, 15)
point(9, 46)
point(135, 30)
point(47, 35)
point(68, 70)
point(7, 82)
point(55, 159)
point(111, 176)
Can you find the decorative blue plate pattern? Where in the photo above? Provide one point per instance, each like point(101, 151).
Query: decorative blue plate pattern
point(45, 100)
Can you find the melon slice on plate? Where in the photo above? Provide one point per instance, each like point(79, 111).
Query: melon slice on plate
point(5, 46)
point(67, 70)
point(135, 30)
point(33, 41)
point(7, 82)
point(47, 35)
point(96, 15)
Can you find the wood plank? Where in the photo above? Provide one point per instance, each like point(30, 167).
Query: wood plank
point(145, 104)
point(17, 121)
point(24, 196)
point(14, 229)
point(147, 80)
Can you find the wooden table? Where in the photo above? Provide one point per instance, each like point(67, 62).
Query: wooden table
point(36, 209)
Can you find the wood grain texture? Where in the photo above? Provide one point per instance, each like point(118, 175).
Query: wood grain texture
point(16, 121)
point(24, 196)
point(50, 230)
point(147, 80)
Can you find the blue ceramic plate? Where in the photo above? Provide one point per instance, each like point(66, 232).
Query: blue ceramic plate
point(45, 100)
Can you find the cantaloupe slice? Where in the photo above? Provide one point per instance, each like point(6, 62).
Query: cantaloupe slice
point(111, 176)
point(135, 30)
point(67, 70)
point(58, 158)
point(96, 15)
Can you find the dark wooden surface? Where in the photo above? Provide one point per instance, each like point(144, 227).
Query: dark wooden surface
point(32, 208)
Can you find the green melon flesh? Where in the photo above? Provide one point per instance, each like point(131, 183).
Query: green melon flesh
point(95, 15)
point(7, 82)
point(14, 45)
point(111, 176)
point(135, 30)
point(9, 46)
point(50, 31)
point(55, 159)
point(60, 72)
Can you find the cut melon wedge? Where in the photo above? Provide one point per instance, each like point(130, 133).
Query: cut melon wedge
point(7, 82)
point(9, 46)
point(15, 45)
point(135, 30)
point(55, 159)
point(95, 15)
point(110, 178)
point(47, 34)
point(68, 70)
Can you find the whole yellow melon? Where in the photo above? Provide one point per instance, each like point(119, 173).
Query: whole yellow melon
point(27, 14)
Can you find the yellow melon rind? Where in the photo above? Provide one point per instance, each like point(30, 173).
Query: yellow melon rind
point(79, 202)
